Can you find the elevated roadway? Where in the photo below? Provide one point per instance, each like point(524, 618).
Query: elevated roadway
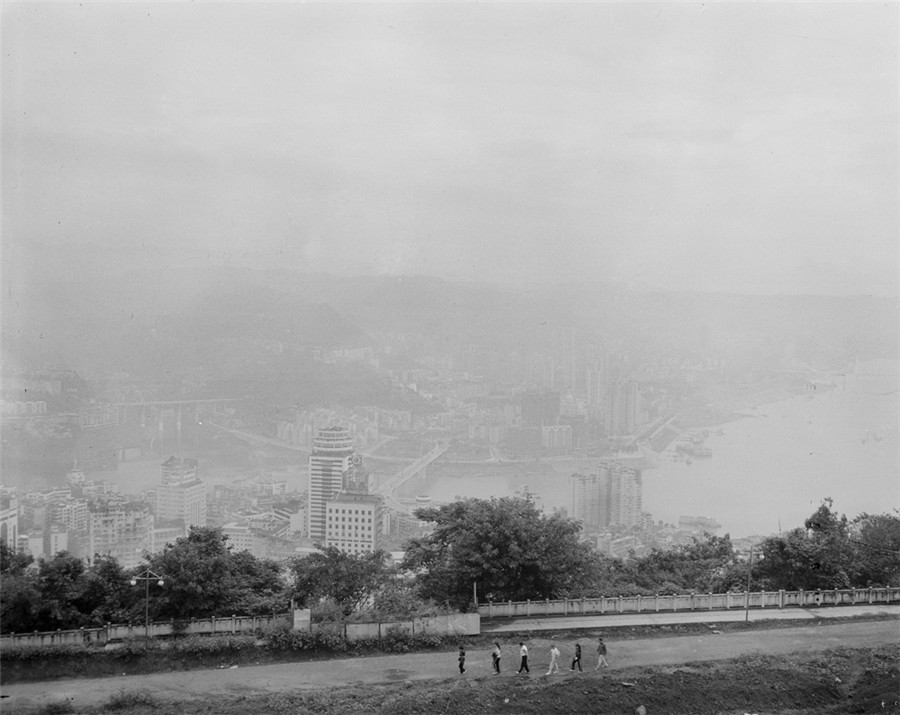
point(388, 489)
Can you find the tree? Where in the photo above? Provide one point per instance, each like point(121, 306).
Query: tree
point(702, 565)
point(818, 556)
point(11, 561)
point(18, 591)
point(203, 577)
point(875, 541)
point(506, 546)
point(106, 595)
point(350, 580)
point(259, 585)
point(60, 582)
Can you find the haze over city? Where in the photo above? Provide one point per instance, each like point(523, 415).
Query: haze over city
point(739, 147)
point(507, 249)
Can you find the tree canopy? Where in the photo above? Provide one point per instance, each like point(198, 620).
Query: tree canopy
point(203, 577)
point(830, 552)
point(350, 580)
point(506, 547)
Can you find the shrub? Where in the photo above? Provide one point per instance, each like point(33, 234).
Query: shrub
point(274, 629)
point(137, 647)
point(30, 652)
point(328, 638)
point(212, 645)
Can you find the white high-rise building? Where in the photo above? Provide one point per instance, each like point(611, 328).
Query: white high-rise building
point(181, 493)
point(329, 465)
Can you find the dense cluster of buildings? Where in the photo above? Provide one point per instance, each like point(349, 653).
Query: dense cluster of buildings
point(522, 424)
point(91, 518)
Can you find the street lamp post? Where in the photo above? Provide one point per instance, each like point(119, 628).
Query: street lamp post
point(147, 576)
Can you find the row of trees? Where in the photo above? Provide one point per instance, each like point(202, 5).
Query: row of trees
point(511, 551)
point(503, 549)
point(202, 577)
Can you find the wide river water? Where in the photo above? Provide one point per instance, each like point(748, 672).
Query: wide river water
point(768, 470)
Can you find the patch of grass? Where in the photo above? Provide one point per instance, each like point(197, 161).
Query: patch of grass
point(127, 699)
point(60, 707)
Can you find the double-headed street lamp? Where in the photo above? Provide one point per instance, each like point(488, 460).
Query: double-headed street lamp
point(147, 576)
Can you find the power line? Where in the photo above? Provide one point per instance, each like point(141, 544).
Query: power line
point(875, 548)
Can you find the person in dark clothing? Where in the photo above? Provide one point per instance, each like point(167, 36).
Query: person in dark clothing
point(577, 659)
point(601, 655)
point(462, 660)
point(495, 657)
point(523, 651)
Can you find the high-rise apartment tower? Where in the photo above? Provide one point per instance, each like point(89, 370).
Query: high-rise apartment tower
point(329, 464)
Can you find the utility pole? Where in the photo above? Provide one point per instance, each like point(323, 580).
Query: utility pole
point(749, 573)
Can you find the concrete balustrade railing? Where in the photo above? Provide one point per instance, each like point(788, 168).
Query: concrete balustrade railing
point(687, 602)
point(453, 624)
point(114, 632)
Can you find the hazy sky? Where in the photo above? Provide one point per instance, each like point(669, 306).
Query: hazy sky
point(742, 147)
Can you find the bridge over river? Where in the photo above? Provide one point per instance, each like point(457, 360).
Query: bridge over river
point(388, 489)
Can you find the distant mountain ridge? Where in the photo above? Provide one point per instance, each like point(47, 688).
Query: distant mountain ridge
point(78, 306)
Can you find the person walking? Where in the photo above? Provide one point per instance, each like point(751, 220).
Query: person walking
point(495, 657)
point(554, 660)
point(577, 659)
point(462, 660)
point(523, 652)
point(601, 655)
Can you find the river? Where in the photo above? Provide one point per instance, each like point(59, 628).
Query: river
point(768, 471)
point(774, 468)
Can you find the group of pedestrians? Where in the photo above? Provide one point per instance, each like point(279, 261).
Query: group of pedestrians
point(554, 658)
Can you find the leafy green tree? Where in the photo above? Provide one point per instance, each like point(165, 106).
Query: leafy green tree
point(18, 591)
point(203, 578)
point(350, 580)
point(106, 596)
point(875, 541)
point(60, 582)
point(818, 556)
point(260, 586)
point(702, 565)
point(11, 561)
point(505, 546)
point(399, 598)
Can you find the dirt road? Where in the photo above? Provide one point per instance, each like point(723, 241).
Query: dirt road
point(282, 677)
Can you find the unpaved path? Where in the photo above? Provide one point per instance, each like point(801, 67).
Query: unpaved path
point(246, 681)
